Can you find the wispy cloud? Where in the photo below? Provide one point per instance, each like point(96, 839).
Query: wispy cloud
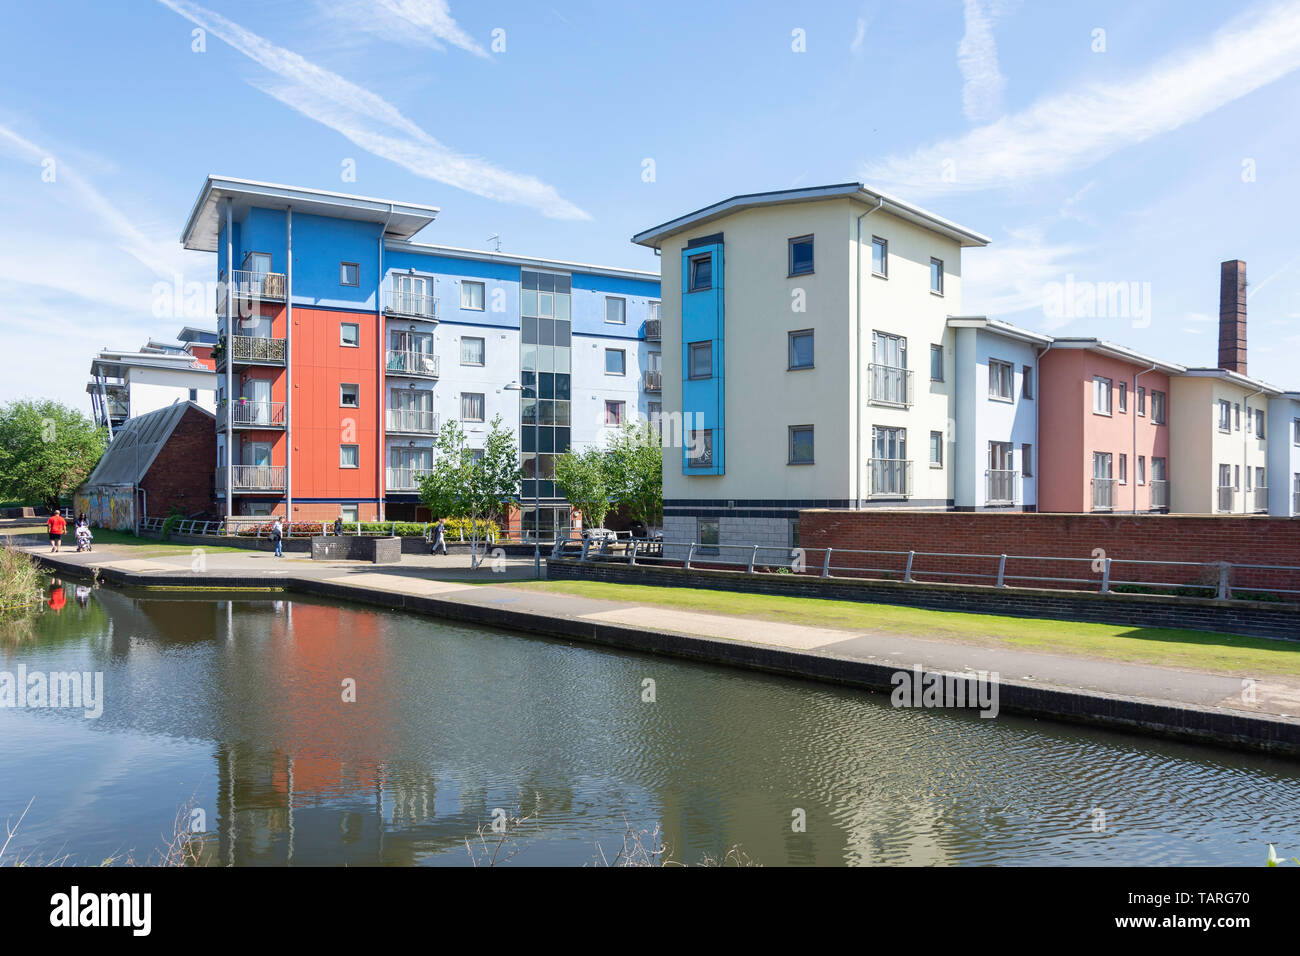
point(372, 123)
point(866, 15)
point(977, 57)
point(1010, 277)
point(426, 23)
point(1071, 130)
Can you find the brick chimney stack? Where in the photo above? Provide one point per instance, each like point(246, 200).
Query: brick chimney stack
point(1232, 316)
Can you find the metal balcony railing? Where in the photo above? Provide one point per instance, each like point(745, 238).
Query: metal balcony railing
point(249, 286)
point(413, 420)
point(1001, 486)
point(252, 478)
point(246, 414)
point(654, 380)
point(1159, 494)
point(405, 479)
point(653, 330)
point(890, 476)
point(1261, 499)
point(418, 364)
point(1103, 494)
point(1227, 497)
point(890, 385)
point(252, 350)
point(411, 305)
point(1295, 503)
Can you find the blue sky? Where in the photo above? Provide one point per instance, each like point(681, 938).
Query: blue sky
point(1145, 153)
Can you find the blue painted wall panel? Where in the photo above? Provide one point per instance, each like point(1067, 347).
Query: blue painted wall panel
point(704, 319)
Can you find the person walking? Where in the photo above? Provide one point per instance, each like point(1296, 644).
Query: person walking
point(338, 526)
point(277, 535)
point(57, 526)
point(439, 540)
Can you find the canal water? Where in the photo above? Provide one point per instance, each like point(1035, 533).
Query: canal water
point(230, 710)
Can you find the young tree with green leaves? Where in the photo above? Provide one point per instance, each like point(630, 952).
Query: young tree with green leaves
point(635, 463)
point(584, 478)
point(46, 450)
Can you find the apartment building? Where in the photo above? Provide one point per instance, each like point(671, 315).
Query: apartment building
point(350, 343)
point(1284, 455)
point(128, 383)
point(798, 332)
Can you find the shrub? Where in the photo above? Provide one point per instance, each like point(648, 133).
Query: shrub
point(21, 580)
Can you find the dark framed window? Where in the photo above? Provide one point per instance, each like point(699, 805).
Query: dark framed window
point(699, 448)
point(801, 445)
point(701, 273)
point(936, 363)
point(880, 256)
point(349, 273)
point(936, 276)
point(801, 349)
point(801, 256)
point(701, 360)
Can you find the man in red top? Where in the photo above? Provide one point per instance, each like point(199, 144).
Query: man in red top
point(57, 526)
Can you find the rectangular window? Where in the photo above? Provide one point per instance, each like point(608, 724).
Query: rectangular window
point(879, 256)
point(1295, 431)
point(1001, 380)
point(615, 362)
point(349, 456)
point(1158, 408)
point(1261, 481)
point(194, 395)
point(801, 349)
point(472, 295)
point(936, 276)
point(1123, 396)
point(936, 363)
point(473, 351)
point(936, 449)
point(699, 449)
point(350, 334)
point(801, 445)
point(1142, 400)
point(701, 273)
point(471, 407)
point(701, 360)
point(889, 467)
point(1123, 469)
point(1027, 460)
point(708, 529)
point(1027, 382)
point(1259, 423)
point(1236, 416)
point(348, 513)
point(1225, 415)
point(1101, 395)
point(614, 412)
point(1142, 470)
point(1236, 476)
point(801, 256)
point(1158, 469)
point(615, 310)
point(349, 396)
point(349, 273)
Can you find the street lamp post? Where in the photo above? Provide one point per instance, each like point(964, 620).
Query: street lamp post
point(537, 480)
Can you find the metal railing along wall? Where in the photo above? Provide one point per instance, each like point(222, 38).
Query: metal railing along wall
point(247, 414)
point(653, 329)
point(422, 364)
point(654, 380)
point(257, 348)
point(1001, 486)
point(890, 476)
point(415, 420)
point(411, 304)
point(890, 385)
point(1103, 494)
point(405, 479)
point(1261, 499)
point(1159, 494)
point(1227, 498)
point(253, 478)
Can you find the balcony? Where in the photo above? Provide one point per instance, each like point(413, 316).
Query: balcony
point(1000, 487)
point(1260, 499)
point(265, 415)
point(653, 330)
point(252, 478)
point(1103, 494)
point(250, 288)
point(412, 364)
point(653, 381)
point(1227, 498)
point(890, 477)
point(1159, 495)
point(410, 305)
point(412, 421)
point(1295, 503)
point(404, 479)
point(251, 350)
point(890, 385)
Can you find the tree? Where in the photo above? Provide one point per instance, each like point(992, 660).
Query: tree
point(46, 450)
point(584, 478)
point(635, 463)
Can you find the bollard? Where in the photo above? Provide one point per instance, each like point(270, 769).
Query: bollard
point(752, 558)
point(690, 554)
point(826, 564)
point(1224, 591)
point(907, 572)
point(1105, 577)
point(1002, 570)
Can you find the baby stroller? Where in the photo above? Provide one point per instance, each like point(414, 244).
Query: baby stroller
point(84, 537)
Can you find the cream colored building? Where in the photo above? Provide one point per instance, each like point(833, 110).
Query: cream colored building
point(807, 359)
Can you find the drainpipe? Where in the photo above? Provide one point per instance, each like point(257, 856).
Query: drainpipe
point(288, 365)
point(1038, 401)
point(1135, 434)
point(230, 363)
point(858, 408)
point(383, 384)
point(1245, 446)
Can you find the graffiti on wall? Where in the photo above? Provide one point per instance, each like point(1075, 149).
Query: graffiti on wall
point(106, 509)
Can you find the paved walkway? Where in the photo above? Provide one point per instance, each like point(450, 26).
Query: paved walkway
point(450, 578)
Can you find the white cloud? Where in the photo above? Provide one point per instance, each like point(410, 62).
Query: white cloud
point(374, 124)
point(1009, 277)
point(1070, 130)
point(413, 22)
point(977, 58)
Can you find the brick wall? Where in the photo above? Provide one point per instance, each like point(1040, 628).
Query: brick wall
point(183, 473)
point(1258, 540)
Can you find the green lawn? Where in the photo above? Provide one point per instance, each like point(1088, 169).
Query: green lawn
point(1201, 650)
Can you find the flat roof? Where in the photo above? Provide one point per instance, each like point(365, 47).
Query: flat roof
point(1245, 381)
point(485, 255)
point(111, 363)
point(1102, 347)
point(203, 227)
point(859, 192)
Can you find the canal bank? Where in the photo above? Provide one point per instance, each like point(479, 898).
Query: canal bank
point(1176, 704)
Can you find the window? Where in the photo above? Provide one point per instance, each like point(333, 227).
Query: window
point(708, 529)
point(801, 256)
point(936, 276)
point(472, 295)
point(701, 273)
point(1027, 382)
point(699, 449)
point(1259, 423)
point(471, 407)
point(890, 472)
point(1001, 380)
point(1225, 476)
point(1236, 416)
point(615, 310)
point(1142, 470)
point(1225, 415)
point(614, 412)
point(473, 350)
point(349, 456)
point(1123, 469)
point(936, 363)
point(1123, 396)
point(349, 396)
point(1157, 408)
point(801, 349)
point(194, 395)
point(350, 334)
point(349, 273)
point(1261, 481)
point(879, 256)
point(701, 360)
point(1295, 431)
point(801, 445)
point(348, 513)
point(1157, 469)
point(936, 449)
point(1248, 486)
point(615, 362)
point(1142, 399)
point(1027, 460)
point(1101, 395)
